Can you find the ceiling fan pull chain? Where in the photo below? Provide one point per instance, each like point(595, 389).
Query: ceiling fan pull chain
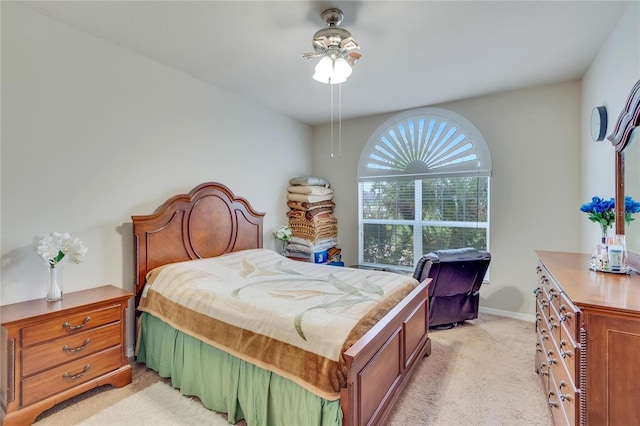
point(331, 86)
point(340, 119)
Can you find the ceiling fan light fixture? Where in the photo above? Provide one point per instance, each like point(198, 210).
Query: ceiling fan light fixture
point(335, 47)
point(331, 70)
point(324, 69)
point(341, 68)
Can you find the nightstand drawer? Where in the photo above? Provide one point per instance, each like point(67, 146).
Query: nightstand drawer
point(56, 380)
point(41, 357)
point(71, 324)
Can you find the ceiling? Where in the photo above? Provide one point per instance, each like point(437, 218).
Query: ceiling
point(414, 53)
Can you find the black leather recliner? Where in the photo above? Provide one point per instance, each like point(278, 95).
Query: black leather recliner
point(457, 275)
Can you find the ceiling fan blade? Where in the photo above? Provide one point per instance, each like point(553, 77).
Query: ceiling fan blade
point(349, 44)
point(320, 44)
point(309, 55)
point(352, 58)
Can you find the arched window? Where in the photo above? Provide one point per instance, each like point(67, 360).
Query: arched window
point(423, 181)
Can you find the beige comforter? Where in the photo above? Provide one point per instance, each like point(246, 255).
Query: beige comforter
point(292, 318)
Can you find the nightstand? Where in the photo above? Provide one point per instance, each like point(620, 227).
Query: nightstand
point(52, 351)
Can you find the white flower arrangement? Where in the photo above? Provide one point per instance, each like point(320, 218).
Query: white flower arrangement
point(55, 246)
point(283, 233)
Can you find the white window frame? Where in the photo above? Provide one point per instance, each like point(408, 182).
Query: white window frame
point(420, 144)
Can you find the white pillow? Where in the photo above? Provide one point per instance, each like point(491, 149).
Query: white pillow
point(308, 180)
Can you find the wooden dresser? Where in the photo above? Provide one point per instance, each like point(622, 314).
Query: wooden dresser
point(52, 351)
point(588, 341)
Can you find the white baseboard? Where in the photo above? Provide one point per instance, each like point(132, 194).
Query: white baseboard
point(508, 314)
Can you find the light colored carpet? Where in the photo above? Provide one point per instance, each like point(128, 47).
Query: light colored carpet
point(163, 406)
point(479, 373)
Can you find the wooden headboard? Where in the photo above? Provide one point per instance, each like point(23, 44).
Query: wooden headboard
point(208, 221)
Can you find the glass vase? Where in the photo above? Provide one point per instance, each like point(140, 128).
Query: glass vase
point(283, 250)
point(54, 292)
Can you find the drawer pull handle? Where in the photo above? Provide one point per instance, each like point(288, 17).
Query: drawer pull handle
point(564, 396)
point(564, 353)
point(542, 370)
point(565, 317)
point(70, 327)
point(551, 403)
point(68, 376)
point(68, 348)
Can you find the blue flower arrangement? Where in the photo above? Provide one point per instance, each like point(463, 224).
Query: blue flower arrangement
point(630, 207)
point(603, 211)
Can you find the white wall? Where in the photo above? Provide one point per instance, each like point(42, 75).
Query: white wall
point(533, 136)
point(88, 128)
point(607, 82)
point(89, 131)
point(545, 165)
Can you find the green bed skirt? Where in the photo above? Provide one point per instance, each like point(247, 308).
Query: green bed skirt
point(226, 384)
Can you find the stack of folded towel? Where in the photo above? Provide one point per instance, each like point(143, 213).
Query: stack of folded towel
point(314, 229)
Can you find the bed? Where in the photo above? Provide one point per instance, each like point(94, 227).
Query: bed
point(210, 225)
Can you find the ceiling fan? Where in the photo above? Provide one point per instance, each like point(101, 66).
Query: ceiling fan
point(337, 49)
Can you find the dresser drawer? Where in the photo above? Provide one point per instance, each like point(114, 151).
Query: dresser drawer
point(567, 392)
point(541, 300)
point(542, 368)
point(554, 293)
point(553, 324)
point(569, 317)
point(541, 317)
point(558, 411)
point(71, 324)
point(547, 293)
point(551, 352)
point(55, 352)
point(58, 379)
point(543, 281)
point(570, 354)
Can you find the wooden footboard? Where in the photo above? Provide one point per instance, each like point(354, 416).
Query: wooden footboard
point(382, 361)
